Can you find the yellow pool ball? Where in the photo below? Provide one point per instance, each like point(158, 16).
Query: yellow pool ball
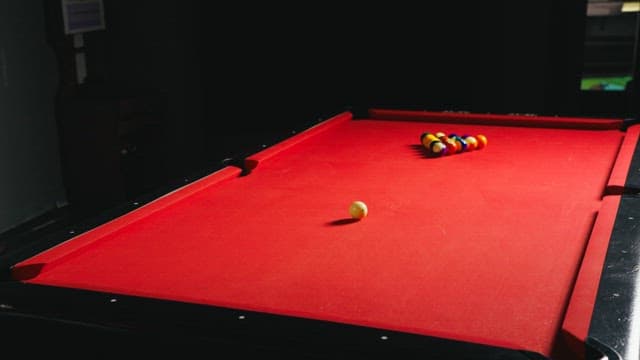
point(472, 142)
point(358, 209)
point(482, 141)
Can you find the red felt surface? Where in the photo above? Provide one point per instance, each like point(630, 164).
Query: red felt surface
point(481, 246)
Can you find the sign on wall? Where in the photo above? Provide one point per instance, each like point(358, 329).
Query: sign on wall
point(82, 16)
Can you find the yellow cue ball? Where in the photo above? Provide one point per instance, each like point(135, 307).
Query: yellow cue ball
point(358, 210)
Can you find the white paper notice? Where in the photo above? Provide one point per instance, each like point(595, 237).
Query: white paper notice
point(81, 68)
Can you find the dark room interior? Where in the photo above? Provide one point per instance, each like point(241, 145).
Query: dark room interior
point(170, 90)
point(136, 99)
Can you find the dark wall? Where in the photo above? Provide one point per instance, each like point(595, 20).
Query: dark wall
point(153, 47)
point(475, 56)
point(135, 122)
point(30, 176)
point(528, 58)
point(284, 61)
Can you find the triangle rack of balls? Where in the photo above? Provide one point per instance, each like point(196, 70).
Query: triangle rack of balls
point(440, 144)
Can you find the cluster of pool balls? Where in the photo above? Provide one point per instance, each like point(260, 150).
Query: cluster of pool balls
point(439, 144)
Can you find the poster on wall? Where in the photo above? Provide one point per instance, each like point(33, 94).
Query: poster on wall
point(82, 16)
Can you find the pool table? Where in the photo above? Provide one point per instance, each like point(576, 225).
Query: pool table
point(524, 249)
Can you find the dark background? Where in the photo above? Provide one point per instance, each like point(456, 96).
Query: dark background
point(175, 87)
